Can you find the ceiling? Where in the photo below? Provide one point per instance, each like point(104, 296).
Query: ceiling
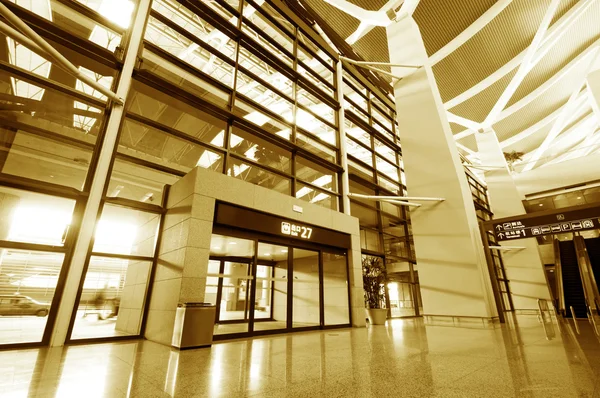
point(548, 116)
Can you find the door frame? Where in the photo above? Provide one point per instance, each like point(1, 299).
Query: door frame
point(290, 244)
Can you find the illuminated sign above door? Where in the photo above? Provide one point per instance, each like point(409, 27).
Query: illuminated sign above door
point(251, 220)
point(299, 231)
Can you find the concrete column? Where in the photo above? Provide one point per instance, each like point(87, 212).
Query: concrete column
point(88, 220)
point(453, 272)
point(524, 268)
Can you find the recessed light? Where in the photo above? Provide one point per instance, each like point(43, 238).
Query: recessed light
point(233, 243)
point(266, 254)
point(217, 247)
point(541, 204)
point(579, 197)
point(284, 250)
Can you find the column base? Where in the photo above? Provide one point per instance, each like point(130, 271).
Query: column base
point(458, 321)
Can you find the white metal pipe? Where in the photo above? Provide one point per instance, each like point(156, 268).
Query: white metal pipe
point(56, 56)
point(352, 61)
point(343, 149)
point(507, 247)
point(402, 203)
point(375, 197)
point(21, 38)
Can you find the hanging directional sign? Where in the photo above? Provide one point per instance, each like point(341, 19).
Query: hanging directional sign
point(551, 222)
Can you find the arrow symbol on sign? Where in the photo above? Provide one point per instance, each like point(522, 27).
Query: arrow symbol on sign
point(499, 227)
point(501, 235)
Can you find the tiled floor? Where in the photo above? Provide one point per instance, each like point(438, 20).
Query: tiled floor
point(402, 359)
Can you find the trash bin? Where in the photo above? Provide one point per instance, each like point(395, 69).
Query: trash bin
point(194, 325)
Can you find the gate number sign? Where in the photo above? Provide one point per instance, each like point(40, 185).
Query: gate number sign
point(296, 230)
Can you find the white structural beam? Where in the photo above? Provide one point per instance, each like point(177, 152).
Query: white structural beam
point(373, 18)
point(561, 121)
point(582, 57)
point(524, 67)
point(474, 126)
point(471, 31)
point(383, 197)
point(580, 104)
point(584, 148)
point(554, 33)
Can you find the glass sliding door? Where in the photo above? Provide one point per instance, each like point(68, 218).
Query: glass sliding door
point(271, 302)
point(305, 289)
point(335, 289)
point(230, 283)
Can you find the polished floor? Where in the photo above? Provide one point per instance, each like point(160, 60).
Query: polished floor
point(401, 359)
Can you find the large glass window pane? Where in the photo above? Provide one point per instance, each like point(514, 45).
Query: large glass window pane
point(212, 63)
point(31, 156)
point(388, 169)
point(318, 197)
point(28, 281)
point(263, 120)
point(253, 148)
point(135, 182)
point(255, 175)
point(211, 289)
point(312, 173)
point(32, 105)
point(359, 152)
point(166, 110)
point(335, 289)
point(156, 146)
point(267, 30)
point(401, 297)
point(315, 147)
point(113, 298)
point(190, 82)
point(316, 127)
point(126, 231)
point(305, 300)
point(34, 218)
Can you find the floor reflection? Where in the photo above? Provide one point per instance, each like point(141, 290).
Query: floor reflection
point(402, 358)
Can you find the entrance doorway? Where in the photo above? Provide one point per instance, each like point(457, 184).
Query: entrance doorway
point(263, 285)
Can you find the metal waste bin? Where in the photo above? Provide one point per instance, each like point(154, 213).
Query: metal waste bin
point(194, 325)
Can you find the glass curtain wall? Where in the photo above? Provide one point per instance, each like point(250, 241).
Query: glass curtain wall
point(234, 86)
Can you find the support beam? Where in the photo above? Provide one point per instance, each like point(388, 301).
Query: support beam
point(377, 197)
point(373, 18)
point(471, 31)
point(524, 67)
point(453, 271)
point(560, 122)
point(555, 32)
point(471, 125)
point(101, 174)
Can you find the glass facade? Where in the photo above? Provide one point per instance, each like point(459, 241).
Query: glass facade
point(240, 87)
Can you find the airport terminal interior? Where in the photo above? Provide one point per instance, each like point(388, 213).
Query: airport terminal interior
point(273, 198)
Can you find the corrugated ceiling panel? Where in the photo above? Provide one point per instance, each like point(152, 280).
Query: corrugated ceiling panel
point(341, 22)
point(497, 43)
point(456, 128)
point(563, 7)
point(441, 21)
point(581, 35)
point(373, 46)
point(530, 143)
point(536, 110)
point(478, 107)
point(372, 5)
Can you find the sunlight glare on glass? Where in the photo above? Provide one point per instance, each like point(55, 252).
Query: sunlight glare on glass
point(117, 11)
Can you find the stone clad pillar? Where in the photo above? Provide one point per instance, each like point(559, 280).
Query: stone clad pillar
point(524, 268)
point(453, 272)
